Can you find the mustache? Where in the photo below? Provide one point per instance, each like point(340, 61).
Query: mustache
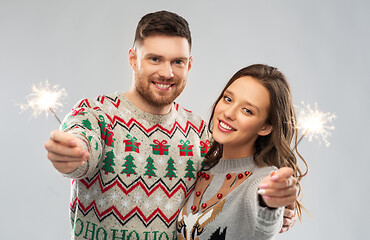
point(162, 79)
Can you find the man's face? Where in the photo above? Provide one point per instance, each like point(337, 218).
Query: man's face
point(161, 66)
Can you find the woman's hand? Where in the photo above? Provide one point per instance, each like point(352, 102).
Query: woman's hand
point(279, 189)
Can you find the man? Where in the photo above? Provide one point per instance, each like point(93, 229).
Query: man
point(134, 156)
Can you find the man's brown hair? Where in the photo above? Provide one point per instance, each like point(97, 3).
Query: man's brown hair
point(162, 23)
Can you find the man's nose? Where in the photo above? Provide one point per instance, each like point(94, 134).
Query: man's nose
point(166, 71)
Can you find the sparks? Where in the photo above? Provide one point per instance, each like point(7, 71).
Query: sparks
point(315, 124)
point(43, 98)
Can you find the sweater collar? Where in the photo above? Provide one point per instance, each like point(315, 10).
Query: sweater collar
point(151, 118)
point(234, 165)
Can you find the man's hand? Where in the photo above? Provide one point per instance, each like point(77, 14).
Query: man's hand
point(65, 151)
point(290, 217)
point(279, 189)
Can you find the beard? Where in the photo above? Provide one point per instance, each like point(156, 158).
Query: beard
point(157, 99)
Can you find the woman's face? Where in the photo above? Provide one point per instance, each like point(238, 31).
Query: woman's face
point(240, 117)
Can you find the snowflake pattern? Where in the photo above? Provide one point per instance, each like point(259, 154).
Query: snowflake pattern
point(168, 206)
point(125, 203)
point(114, 197)
point(180, 161)
point(147, 205)
point(101, 202)
point(87, 197)
point(118, 158)
point(137, 198)
point(158, 199)
point(160, 161)
point(180, 199)
point(95, 190)
point(140, 159)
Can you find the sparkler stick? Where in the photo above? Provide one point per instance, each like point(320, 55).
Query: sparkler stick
point(55, 115)
point(44, 99)
point(300, 139)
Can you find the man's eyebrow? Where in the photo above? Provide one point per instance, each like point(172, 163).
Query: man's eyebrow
point(150, 55)
point(184, 59)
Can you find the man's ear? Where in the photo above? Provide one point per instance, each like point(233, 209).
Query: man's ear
point(265, 130)
point(132, 58)
point(190, 62)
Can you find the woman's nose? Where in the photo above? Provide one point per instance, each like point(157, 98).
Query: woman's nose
point(230, 113)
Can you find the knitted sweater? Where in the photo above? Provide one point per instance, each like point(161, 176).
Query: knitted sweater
point(141, 169)
point(224, 204)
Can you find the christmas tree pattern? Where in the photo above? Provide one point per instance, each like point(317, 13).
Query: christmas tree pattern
point(170, 169)
point(109, 162)
point(150, 168)
point(90, 138)
point(106, 132)
point(64, 126)
point(87, 124)
point(129, 166)
point(190, 169)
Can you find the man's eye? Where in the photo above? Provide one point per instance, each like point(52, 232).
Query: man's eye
point(179, 62)
point(154, 59)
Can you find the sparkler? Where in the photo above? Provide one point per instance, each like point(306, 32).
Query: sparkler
point(315, 124)
point(43, 99)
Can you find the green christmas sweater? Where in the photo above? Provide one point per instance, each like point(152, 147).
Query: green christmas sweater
point(142, 168)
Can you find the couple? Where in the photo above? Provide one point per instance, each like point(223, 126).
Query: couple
point(145, 168)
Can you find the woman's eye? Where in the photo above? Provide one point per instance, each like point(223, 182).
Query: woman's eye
point(227, 99)
point(246, 110)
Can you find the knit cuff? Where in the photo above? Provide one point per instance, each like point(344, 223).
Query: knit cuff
point(269, 219)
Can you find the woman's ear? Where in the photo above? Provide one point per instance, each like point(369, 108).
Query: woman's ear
point(265, 130)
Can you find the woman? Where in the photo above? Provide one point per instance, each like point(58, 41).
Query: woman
point(252, 123)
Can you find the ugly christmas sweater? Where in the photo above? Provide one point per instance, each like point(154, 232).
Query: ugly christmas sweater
point(141, 169)
point(224, 204)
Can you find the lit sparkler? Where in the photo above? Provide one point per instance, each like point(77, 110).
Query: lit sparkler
point(43, 99)
point(315, 124)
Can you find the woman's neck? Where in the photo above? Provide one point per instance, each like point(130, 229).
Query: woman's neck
point(230, 152)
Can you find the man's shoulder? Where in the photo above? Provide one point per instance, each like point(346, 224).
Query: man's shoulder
point(113, 98)
point(188, 114)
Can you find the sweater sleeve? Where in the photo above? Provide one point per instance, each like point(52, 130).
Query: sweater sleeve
point(85, 123)
point(268, 221)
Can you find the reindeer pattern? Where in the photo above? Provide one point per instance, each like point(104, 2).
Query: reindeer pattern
point(191, 226)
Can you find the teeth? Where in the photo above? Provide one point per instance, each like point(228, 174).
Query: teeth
point(163, 85)
point(223, 125)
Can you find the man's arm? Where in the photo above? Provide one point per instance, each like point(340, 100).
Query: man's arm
point(290, 217)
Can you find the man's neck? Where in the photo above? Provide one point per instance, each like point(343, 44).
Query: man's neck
point(143, 105)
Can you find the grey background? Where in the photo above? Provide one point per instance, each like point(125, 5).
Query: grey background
point(321, 46)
